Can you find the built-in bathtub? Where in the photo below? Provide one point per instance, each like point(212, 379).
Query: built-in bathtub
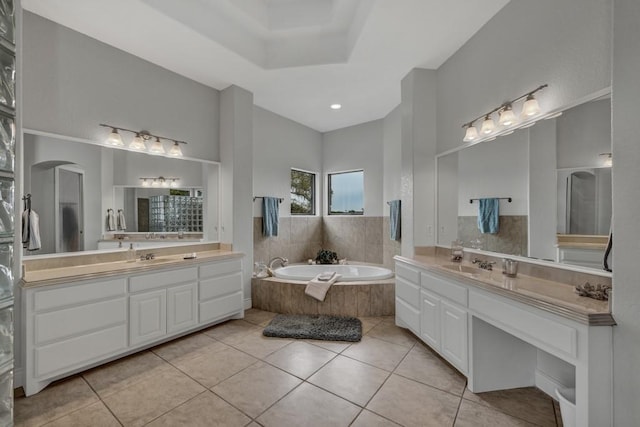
point(363, 290)
point(348, 273)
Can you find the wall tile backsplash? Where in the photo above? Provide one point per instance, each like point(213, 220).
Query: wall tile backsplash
point(364, 239)
point(512, 237)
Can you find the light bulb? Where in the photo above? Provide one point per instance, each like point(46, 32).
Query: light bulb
point(115, 139)
point(174, 183)
point(488, 125)
point(607, 160)
point(471, 133)
point(145, 183)
point(507, 117)
point(137, 143)
point(175, 150)
point(530, 107)
point(156, 147)
point(154, 183)
point(163, 182)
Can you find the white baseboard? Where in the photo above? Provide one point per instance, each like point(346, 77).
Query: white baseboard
point(547, 384)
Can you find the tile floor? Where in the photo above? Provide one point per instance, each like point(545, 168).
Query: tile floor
point(230, 375)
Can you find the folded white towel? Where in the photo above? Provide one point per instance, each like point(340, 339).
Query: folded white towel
point(122, 223)
point(318, 289)
point(326, 276)
point(111, 222)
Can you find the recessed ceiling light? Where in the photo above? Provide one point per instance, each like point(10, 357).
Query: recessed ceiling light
point(336, 106)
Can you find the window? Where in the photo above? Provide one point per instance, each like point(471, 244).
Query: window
point(303, 192)
point(346, 193)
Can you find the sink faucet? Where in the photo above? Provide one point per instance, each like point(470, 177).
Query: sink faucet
point(283, 261)
point(484, 264)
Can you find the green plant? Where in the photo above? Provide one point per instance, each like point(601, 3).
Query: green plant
point(326, 257)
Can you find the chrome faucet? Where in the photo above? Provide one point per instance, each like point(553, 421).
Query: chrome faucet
point(283, 261)
point(484, 264)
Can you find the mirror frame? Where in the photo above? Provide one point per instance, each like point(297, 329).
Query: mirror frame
point(551, 114)
point(21, 192)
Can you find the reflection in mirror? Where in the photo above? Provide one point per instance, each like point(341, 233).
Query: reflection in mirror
point(69, 179)
point(561, 208)
point(160, 210)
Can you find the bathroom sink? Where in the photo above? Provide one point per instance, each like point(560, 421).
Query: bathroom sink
point(462, 268)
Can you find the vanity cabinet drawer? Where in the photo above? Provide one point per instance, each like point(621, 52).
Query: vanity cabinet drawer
point(67, 322)
point(162, 279)
point(219, 308)
point(211, 288)
point(408, 292)
point(65, 355)
point(409, 315)
point(408, 273)
point(535, 329)
point(79, 294)
point(220, 268)
point(445, 288)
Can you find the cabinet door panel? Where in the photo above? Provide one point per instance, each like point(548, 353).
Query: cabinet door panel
point(454, 335)
point(182, 306)
point(430, 320)
point(148, 316)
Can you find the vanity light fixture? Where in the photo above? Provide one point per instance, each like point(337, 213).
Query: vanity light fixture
point(160, 181)
point(507, 119)
point(138, 142)
point(336, 106)
point(488, 125)
point(607, 160)
point(114, 138)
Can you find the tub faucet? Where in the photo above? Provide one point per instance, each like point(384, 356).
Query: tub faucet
point(283, 261)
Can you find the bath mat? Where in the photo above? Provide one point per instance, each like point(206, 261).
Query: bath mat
point(315, 327)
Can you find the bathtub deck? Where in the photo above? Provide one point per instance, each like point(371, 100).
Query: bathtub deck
point(343, 299)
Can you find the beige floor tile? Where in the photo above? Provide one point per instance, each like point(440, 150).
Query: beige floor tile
point(527, 403)
point(309, 406)
point(350, 379)
point(257, 344)
point(204, 410)
point(95, 415)
point(473, 414)
point(148, 399)
point(230, 329)
point(369, 323)
point(369, 419)
point(188, 347)
point(422, 365)
point(53, 402)
point(259, 317)
point(112, 377)
point(410, 403)
point(388, 331)
point(334, 346)
point(381, 354)
point(210, 369)
point(256, 388)
point(300, 358)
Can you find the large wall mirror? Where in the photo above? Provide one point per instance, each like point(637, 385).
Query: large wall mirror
point(553, 181)
point(74, 185)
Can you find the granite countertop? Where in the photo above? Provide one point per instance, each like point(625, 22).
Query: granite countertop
point(62, 274)
point(554, 297)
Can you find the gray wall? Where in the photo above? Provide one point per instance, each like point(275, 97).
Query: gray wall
point(626, 205)
point(564, 43)
point(358, 147)
point(72, 83)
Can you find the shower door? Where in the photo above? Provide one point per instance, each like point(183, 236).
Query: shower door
point(69, 201)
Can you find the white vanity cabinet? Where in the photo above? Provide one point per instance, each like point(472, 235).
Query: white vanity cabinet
point(162, 303)
point(72, 326)
point(501, 339)
point(443, 319)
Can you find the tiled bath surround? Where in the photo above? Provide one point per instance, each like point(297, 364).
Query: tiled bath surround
point(512, 236)
point(361, 238)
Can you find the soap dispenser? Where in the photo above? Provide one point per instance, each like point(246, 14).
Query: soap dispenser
point(131, 253)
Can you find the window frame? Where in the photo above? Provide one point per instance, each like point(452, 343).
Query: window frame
point(328, 182)
point(314, 193)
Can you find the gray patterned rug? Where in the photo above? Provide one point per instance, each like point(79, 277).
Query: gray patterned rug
point(315, 327)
